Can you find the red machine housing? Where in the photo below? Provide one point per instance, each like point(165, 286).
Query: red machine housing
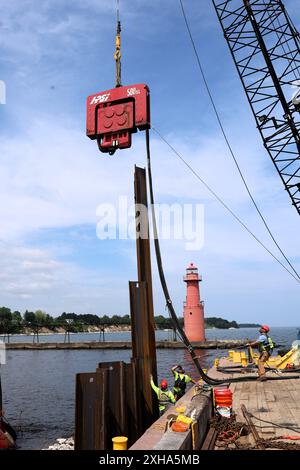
point(113, 115)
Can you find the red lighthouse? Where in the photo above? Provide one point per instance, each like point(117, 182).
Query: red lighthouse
point(193, 307)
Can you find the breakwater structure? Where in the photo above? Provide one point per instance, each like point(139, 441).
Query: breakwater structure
point(223, 344)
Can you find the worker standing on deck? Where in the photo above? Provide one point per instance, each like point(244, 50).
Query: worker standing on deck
point(165, 396)
point(181, 380)
point(265, 347)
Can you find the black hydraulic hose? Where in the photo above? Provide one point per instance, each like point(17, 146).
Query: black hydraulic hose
point(221, 368)
point(169, 304)
point(174, 318)
point(238, 369)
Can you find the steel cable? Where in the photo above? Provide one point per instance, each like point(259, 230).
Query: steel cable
point(218, 198)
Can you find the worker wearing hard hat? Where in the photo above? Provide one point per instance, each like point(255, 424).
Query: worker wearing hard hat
point(265, 347)
point(165, 396)
point(181, 380)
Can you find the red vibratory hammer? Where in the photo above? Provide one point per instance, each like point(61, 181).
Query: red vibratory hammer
point(113, 115)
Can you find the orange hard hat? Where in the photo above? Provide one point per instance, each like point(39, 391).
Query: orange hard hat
point(163, 384)
point(265, 327)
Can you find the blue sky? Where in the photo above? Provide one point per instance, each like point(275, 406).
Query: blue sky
point(54, 54)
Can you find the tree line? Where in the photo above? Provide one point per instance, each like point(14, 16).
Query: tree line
point(13, 322)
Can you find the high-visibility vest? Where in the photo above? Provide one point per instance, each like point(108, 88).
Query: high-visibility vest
point(180, 383)
point(163, 397)
point(266, 347)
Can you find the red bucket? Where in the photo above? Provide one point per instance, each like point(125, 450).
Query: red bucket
point(223, 397)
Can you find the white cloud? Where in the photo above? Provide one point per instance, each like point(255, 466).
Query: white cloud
point(26, 272)
point(31, 278)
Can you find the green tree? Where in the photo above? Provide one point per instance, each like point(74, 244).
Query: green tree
point(70, 316)
point(16, 317)
point(125, 320)
point(116, 320)
point(29, 317)
point(5, 314)
point(105, 320)
point(220, 323)
point(41, 317)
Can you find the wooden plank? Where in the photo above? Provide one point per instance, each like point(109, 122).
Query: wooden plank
point(269, 394)
point(253, 398)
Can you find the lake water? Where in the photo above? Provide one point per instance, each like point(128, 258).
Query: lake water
point(39, 386)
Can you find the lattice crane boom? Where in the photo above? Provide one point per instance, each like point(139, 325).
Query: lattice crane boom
point(265, 47)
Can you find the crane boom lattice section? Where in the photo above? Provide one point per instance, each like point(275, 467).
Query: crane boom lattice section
point(265, 47)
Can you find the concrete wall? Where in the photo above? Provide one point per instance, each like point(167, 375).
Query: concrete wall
point(159, 436)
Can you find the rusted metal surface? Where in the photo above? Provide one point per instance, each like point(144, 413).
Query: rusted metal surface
point(141, 354)
point(115, 403)
point(143, 244)
point(91, 413)
point(107, 405)
point(272, 443)
point(143, 255)
point(99, 407)
point(141, 306)
point(210, 439)
point(251, 426)
point(133, 404)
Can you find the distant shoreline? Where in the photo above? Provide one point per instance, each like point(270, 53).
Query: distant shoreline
point(107, 330)
point(211, 344)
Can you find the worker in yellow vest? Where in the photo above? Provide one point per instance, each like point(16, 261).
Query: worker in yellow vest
point(165, 396)
point(181, 380)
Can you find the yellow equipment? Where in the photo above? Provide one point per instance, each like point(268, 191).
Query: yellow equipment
point(185, 419)
point(120, 443)
point(291, 358)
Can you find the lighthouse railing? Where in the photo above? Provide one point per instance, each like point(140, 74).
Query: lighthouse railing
point(188, 277)
point(200, 304)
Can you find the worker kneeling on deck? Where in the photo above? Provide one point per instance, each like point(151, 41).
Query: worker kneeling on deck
point(181, 380)
point(265, 347)
point(165, 396)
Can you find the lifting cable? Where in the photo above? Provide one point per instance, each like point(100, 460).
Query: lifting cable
point(169, 304)
point(118, 55)
point(229, 144)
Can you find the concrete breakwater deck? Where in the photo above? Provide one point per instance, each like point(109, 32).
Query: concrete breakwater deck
point(225, 344)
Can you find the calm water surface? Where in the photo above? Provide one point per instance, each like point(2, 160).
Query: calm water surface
point(39, 386)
